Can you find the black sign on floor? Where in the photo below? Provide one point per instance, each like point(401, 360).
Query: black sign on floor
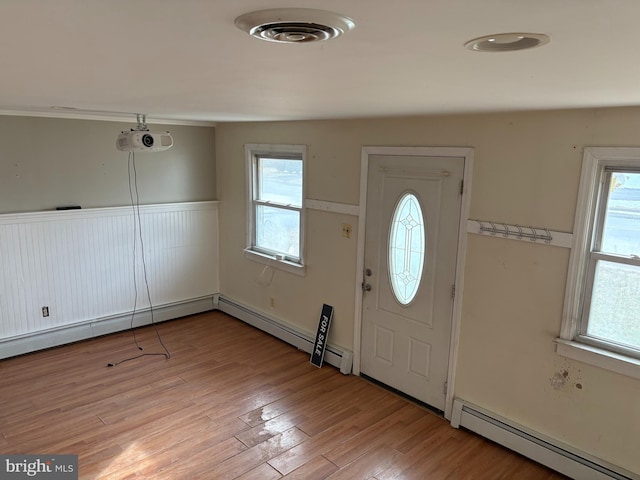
point(317, 355)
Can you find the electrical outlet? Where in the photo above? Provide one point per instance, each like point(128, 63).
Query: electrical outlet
point(346, 230)
point(272, 302)
point(45, 311)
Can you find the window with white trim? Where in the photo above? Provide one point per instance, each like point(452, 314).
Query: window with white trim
point(276, 213)
point(602, 306)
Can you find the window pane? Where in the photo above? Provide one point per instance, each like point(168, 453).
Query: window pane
point(280, 181)
point(615, 304)
point(406, 248)
point(278, 230)
point(621, 232)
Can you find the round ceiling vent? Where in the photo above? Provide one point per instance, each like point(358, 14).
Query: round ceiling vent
point(294, 25)
point(507, 42)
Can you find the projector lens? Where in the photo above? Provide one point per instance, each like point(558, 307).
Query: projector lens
point(147, 140)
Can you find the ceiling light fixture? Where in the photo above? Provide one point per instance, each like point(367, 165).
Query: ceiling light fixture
point(294, 25)
point(507, 42)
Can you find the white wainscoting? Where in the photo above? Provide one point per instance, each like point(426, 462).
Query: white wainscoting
point(80, 264)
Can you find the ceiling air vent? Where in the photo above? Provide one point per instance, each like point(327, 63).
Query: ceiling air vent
point(294, 25)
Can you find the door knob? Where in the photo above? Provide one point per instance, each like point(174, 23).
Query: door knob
point(366, 287)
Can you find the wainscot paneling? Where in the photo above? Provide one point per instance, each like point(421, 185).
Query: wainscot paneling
point(87, 265)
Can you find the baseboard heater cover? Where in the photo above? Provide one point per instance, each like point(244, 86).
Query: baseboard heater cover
point(32, 342)
point(342, 359)
point(546, 451)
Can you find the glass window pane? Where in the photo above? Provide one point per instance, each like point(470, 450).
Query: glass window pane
point(407, 246)
point(278, 230)
point(280, 181)
point(615, 304)
point(621, 232)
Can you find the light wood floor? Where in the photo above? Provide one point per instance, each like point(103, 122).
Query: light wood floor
point(232, 402)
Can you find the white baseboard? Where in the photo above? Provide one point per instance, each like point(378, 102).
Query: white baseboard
point(544, 450)
point(336, 356)
point(19, 345)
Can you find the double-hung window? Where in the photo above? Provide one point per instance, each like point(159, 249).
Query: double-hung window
point(602, 308)
point(276, 213)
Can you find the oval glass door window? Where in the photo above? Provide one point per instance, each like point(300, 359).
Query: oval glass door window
point(407, 247)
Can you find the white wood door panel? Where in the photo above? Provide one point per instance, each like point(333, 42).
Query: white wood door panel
point(406, 346)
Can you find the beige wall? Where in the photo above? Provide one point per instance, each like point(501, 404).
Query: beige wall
point(45, 163)
point(527, 168)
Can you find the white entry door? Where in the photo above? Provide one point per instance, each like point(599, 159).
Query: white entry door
point(411, 237)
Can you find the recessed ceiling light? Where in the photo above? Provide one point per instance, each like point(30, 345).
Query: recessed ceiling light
point(294, 25)
point(507, 42)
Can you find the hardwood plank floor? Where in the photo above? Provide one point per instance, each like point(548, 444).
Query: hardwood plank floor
point(231, 402)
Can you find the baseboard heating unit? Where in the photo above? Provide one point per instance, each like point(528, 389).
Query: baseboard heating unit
point(96, 327)
point(546, 451)
point(342, 359)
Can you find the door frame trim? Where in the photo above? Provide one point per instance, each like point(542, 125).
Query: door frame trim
point(465, 152)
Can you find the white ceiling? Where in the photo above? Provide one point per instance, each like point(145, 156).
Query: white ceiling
point(186, 60)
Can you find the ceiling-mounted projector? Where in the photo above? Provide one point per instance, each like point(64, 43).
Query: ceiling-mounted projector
point(144, 141)
point(141, 139)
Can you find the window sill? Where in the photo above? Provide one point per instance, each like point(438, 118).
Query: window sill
point(272, 261)
point(599, 357)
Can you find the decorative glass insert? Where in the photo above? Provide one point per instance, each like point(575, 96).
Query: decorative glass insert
point(407, 247)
